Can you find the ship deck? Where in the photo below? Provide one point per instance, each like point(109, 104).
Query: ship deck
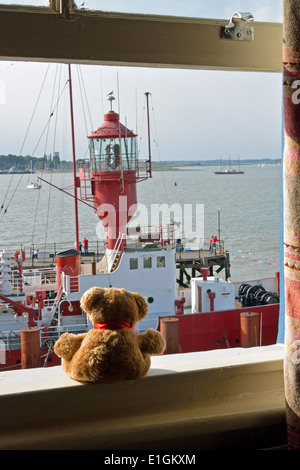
point(188, 263)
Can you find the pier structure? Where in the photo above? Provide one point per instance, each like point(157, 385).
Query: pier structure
point(189, 264)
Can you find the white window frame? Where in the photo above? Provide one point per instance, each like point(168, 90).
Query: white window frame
point(61, 34)
point(191, 410)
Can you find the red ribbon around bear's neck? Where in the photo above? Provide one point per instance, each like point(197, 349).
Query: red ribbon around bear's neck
point(112, 325)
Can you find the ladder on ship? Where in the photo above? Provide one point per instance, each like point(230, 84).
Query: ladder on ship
point(116, 255)
point(55, 306)
point(86, 192)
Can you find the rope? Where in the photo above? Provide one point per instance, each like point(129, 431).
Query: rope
point(46, 126)
point(142, 127)
point(38, 198)
point(49, 351)
point(64, 152)
point(50, 187)
point(26, 134)
point(81, 84)
point(159, 155)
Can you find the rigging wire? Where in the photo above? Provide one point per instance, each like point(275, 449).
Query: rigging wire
point(51, 174)
point(83, 109)
point(50, 116)
point(56, 117)
point(155, 140)
point(101, 95)
point(141, 134)
point(38, 199)
point(120, 139)
point(26, 134)
point(64, 152)
point(81, 84)
point(85, 106)
point(35, 217)
point(45, 128)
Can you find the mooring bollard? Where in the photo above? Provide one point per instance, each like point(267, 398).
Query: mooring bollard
point(30, 348)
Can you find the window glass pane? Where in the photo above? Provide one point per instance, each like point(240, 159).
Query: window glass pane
point(40, 3)
point(224, 115)
point(133, 263)
point(262, 10)
point(147, 262)
point(161, 262)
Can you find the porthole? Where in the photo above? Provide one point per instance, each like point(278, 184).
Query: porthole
point(133, 263)
point(147, 262)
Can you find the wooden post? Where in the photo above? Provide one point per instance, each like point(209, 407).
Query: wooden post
point(170, 331)
point(249, 327)
point(30, 348)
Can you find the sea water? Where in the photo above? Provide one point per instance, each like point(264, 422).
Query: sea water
point(245, 208)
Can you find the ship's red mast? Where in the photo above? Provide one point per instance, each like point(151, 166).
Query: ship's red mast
point(109, 177)
point(74, 163)
point(149, 140)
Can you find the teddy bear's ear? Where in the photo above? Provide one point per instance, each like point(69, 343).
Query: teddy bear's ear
point(91, 298)
point(142, 304)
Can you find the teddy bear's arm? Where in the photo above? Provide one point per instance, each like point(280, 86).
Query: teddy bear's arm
point(151, 342)
point(67, 345)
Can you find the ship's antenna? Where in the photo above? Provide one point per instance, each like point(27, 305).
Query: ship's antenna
point(120, 139)
point(101, 93)
point(111, 98)
point(149, 145)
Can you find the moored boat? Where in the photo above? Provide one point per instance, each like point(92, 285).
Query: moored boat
point(229, 171)
point(206, 314)
point(34, 185)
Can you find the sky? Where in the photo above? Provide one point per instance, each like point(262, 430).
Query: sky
point(195, 115)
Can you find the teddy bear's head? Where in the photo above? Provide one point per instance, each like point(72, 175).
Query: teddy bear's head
point(111, 304)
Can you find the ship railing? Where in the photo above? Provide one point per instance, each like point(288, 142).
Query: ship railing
point(65, 282)
point(85, 180)
point(100, 163)
point(54, 332)
point(50, 251)
point(156, 234)
point(69, 283)
point(168, 234)
point(11, 339)
point(32, 280)
point(17, 284)
point(55, 304)
point(143, 170)
point(49, 335)
point(39, 277)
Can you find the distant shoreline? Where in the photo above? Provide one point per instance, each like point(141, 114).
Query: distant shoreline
point(173, 165)
point(190, 165)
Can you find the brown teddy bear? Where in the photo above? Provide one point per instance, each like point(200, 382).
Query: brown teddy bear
point(111, 351)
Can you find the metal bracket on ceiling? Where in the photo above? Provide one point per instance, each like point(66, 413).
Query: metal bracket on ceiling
point(238, 28)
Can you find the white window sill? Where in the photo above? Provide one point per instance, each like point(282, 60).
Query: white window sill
point(195, 399)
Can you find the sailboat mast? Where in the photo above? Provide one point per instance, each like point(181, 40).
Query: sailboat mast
point(149, 145)
point(74, 163)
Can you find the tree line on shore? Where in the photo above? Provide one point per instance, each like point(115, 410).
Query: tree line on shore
point(19, 162)
point(49, 162)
